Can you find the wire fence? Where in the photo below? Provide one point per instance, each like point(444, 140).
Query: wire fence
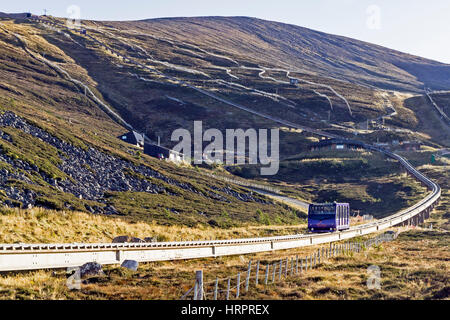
point(275, 271)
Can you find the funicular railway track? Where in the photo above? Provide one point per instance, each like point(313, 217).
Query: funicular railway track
point(17, 257)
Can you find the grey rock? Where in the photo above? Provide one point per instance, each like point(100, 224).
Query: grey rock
point(151, 239)
point(91, 269)
point(121, 239)
point(130, 264)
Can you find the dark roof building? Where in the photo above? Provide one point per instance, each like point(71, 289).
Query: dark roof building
point(159, 152)
point(133, 138)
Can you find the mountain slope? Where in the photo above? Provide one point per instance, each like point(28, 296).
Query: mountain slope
point(289, 46)
point(59, 143)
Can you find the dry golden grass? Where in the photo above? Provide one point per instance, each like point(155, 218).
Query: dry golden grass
point(413, 267)
point(47, 226)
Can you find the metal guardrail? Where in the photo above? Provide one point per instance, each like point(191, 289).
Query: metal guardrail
point(16, 257)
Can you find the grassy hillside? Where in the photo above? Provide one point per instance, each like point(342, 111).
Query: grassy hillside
point(288, 45)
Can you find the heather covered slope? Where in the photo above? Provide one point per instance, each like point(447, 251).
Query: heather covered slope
point(222, 56)
point(297, 48)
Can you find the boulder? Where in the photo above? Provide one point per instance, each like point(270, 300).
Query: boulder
point(130, 264)
point(127, 239)
point(121, 239)
point(91, 269)
point(151, 239)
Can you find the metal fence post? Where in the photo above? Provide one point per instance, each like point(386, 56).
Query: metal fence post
point(287, 267)
point(238, 284)
point(247, 280)
point(274, 271)
point(257, 273)
point(281, 270)
point(216, 288)
point(292, 266)
point(267, 274)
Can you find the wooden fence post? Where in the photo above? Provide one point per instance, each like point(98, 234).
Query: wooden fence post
point(296, 265)
point(195, 290)
point(228, 289)
point(301, 265)
point(216, 288)
point(257, 273)
point(247, 280)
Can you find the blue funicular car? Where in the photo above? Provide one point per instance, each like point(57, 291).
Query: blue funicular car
point(328, 217)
